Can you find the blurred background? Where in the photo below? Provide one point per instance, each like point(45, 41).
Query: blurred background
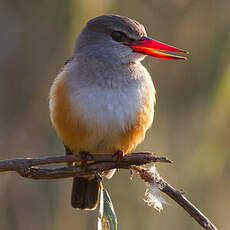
point(192, 120)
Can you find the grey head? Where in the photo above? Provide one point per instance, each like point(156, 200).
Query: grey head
point(103, 38)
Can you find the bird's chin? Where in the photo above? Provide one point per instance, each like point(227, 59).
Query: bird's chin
point(131, 57)
point(137, 57)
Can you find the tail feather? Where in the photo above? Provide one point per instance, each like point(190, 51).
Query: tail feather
point(85, 193)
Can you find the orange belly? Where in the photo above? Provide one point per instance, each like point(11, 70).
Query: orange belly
point(80, 135)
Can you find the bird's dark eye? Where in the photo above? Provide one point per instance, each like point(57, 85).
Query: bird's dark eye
point(119, 36)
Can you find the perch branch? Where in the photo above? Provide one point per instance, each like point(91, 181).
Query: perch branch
point(177, 196)
point(25, 166)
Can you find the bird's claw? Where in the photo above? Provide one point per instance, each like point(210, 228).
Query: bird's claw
point(119, 155)
point(85, 157)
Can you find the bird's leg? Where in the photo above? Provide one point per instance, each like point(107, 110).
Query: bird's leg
point(85, 156)
point(119, 155)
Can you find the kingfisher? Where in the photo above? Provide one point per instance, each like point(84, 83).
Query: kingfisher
point(103, 99)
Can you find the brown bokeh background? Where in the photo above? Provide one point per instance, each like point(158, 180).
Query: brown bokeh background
point(192, 120)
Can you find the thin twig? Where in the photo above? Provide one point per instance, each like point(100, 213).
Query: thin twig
point(177, 196)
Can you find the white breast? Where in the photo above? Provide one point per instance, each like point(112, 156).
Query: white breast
point(107, 108)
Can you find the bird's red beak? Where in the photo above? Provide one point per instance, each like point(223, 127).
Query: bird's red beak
point(152, 47)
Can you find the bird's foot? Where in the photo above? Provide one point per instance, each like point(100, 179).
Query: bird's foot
point(119, 155)
point(85, 157)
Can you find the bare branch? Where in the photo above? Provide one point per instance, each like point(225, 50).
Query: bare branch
point(25, 166)
point(177, 196)
point(102, 162)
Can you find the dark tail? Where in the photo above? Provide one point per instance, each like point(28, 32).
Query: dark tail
point(85, 193)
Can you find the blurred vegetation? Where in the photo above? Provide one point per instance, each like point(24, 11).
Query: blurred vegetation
point(192, 120)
